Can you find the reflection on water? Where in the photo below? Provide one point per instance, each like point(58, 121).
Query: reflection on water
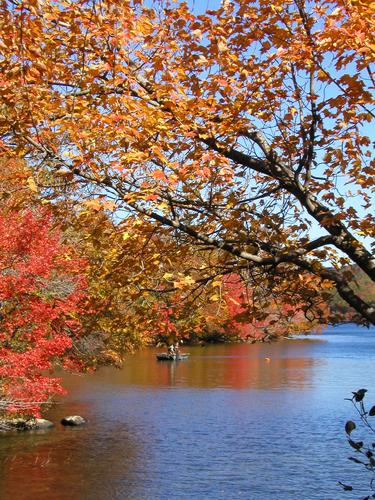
point(233, 421)
point(41, 468)
point(235, 366)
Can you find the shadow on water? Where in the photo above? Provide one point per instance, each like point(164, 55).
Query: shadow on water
point(261, 421)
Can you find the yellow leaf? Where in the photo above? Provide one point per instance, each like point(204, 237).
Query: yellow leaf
point(32, 185)
point(188, 280)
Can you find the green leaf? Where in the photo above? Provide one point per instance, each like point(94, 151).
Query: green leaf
point(357, 445)
point(349, 426)
point(359, 395)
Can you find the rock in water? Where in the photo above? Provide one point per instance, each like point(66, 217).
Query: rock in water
point(15, 424)
point(42, 423)
point(24, 424)
point(73, 421)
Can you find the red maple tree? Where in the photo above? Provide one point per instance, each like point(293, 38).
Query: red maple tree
point(41, 298)
point(278, 318)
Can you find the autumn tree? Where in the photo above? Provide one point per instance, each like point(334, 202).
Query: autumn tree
point(42, 295)
point(146, 288)
point(242, 130)
point(139, 282)
point(245, 319)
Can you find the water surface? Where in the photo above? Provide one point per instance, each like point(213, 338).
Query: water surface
point(234, 421)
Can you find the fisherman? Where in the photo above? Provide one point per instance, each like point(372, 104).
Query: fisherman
point(177, 348)
point(171, 350)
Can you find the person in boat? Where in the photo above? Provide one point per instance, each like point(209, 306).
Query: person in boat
point(177, 348)
point(171, 350)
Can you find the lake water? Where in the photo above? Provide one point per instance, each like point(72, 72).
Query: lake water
point(225, 424)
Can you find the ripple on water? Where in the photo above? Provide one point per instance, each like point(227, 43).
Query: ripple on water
point(225, 424)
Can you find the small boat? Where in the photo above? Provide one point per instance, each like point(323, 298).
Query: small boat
point(165, 356)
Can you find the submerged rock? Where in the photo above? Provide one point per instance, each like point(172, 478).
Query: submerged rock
point(73, 421)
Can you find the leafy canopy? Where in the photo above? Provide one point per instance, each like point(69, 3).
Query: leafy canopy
point(236, 130)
